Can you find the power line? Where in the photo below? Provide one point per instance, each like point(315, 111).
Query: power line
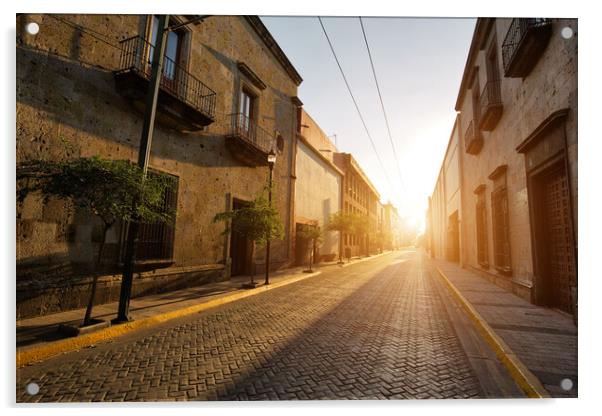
point(355, 103)
point(380, 97)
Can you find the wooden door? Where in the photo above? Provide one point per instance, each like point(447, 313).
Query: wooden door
point(559, 262)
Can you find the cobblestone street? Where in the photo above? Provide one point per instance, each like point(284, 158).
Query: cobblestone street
point(374, 330)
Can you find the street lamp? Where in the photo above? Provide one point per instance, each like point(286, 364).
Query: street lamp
point(271, 163)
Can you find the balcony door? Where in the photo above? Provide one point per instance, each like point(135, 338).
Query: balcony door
point(247, 113)
point(173, 53)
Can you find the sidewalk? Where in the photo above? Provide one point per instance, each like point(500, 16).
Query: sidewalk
point(545, 340)
point(37, 331)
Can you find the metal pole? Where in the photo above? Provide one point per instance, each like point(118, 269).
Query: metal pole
point(267, 247)
point(143, 158)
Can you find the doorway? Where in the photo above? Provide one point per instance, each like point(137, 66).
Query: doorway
point(241, 248)
point(453, 238)
point(554, 234)
point(173, 54)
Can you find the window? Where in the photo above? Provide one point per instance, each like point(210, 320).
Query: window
point(481, 222)
point(155, 240)
point(280, 143)
point(491, 97)
point(247, 110)
point(501, 226)
point(173, 50)
point(492, 65)
point(476, 98)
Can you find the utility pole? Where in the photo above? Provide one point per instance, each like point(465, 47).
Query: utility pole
point(143, 158)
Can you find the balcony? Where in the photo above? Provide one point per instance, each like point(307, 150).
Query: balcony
point(473, 139)
point(248, 142)
point(524, 44)
point(184, 103)
point(491, 106)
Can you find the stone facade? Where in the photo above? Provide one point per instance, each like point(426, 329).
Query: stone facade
point(393, 227)
point(516, 141)
point(70, 105)
point(359, 197)
point(318, 184)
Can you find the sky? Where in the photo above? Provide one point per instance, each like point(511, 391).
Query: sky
point(419, 64)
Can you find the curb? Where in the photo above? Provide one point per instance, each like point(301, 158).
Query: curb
point(374, 256)
point(523, 377)
point(35, 354)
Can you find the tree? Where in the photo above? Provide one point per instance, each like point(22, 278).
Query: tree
point(343, 223)
point(112, 190)
point(313, 235)
point(258, 221)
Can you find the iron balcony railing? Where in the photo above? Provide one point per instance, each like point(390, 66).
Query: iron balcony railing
point(137, 55)
point(472, 138)
point(247, 129)
point(519, 28)
point(491, 95)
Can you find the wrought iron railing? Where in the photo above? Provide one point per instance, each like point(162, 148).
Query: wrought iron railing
point(247, 129)
point(491, 95)
point(471, 136)
point(517, 32)
point(137, 55)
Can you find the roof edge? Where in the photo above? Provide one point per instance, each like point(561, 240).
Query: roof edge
point(481, 29)
point(323, 158)
point(273, 46)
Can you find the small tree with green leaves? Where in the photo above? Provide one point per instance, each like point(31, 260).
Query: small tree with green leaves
point(343, 223)
point(112, 190)
point(259, 222)
point(313, 236)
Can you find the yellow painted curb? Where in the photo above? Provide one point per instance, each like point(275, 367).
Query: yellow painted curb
point(523, 377)
point(34, 354)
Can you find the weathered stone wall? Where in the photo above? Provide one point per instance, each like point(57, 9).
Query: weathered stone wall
point(68, 106)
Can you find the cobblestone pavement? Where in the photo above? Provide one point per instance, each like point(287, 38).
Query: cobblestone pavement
point(374, 330)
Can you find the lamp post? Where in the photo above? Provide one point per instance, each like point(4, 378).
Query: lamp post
point(271, 163)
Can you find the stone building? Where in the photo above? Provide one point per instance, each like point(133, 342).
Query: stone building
point(318, 184)
point(393, 227)
point(381, 233)
point(227, 98)
point(359, 197)
point(516, 143)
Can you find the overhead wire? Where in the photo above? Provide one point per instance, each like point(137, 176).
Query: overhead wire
point(380, 97)
point(355, 103)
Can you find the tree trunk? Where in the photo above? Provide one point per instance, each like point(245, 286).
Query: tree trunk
point(340, 247)
point(251, 265)
point(310, 257)
point(88, 316)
